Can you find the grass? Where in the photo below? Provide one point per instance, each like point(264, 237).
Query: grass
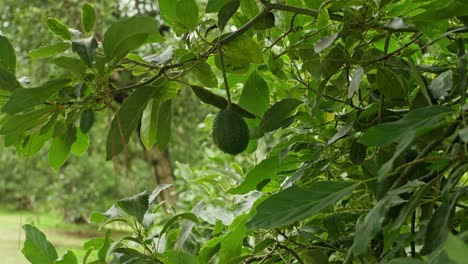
point(64, 236)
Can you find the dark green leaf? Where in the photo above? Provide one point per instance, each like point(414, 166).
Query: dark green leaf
point(25, 99)
point(37, 249)
point(86, 120)
point(86, 49)
point(439, 225)
point(59, 29)
point(61, 147)
point(127, 35)
point(357, 153)
point(436, 10)
point(164, 125)
point(126, 119)
point(255, 96)
point(369, 226)
point(88, 17)
point(391, 84)
point(463, 133)
point(214, 5)
point(298, 203)
point(220, 102)
point(7, 55)
point(136, 205)
point(266, 22)
point(418, 121)
point(20, 123)
point(226, 12)
point(266, 169)
point(278, 113)
point(333, 61)
point(8, 81)
point(168, 14)
point(49, 50)
point(174, 219)
point(187, 13)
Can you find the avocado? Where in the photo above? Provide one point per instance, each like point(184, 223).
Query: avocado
point(230, 132)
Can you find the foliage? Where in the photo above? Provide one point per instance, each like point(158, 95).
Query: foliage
point(356, 112)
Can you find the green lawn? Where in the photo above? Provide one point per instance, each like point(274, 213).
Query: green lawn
point(62, 235)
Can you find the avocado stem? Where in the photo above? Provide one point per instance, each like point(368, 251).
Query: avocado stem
point(226, 84)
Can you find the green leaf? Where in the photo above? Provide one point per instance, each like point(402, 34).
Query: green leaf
point(266, 169)
point(7, 55)
point(436, 10)
point(59, 29)
point(49, 50)
point(126, 119)
point(418, 121)
point(226, 12)
point(177, 257)
point(127, 35)
point(266, 22)
point(167, 8)
point(86, 49)
point(405, 261)
point(231, 245)
point(163, 131)
point(86, 120)
point(357, 153)
point(463, 134)
point(255, 96)
point(37, 249)
point(220, 102)
point(441, 85)
point(81, 143)
point(73, 65)
point(369, 226)
point(243, 50)
point(333, 61)
point(88, 17)
point(187, 13)
point(214, 5)
point(278, 114)
point(209, 249)
point(25, 99)
point(61, 147)
point(136, 205)
point(439, 226)
point(204, 74)
point(20, 123)
point(456, 249)
point(391, 84)
point(68, 258)
point(149, 124)
point(298, 203)
point(8, 81)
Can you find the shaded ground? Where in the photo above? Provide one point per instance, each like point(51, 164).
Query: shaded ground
point(63, 236)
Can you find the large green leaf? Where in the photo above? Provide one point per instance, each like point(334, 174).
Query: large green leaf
point(20, 123)
point(25, 99)
point(456, 249)
point(37, 249)
point(391, 84)
point(164, 125)
point(7, 55)
point(127, 35)
point(232, 243)
point(204, 74)
point(49, 50)
point(243, 50)
point(187, 13)
point(73, 65)
point(226, 12)
point(419, 121)
point(255, 95)
point(438, 10)
point(214, 5)
point(275, 117)
point(177, 257)
point(265, 170)
point(298, 203)
point(61, 147)
point(136, 205)
point(88, 17)
point(149, 124)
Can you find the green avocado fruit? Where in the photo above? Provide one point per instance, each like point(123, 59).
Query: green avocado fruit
point(230, 132)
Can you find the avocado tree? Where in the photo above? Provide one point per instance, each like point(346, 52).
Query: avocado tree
point(355, 108)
